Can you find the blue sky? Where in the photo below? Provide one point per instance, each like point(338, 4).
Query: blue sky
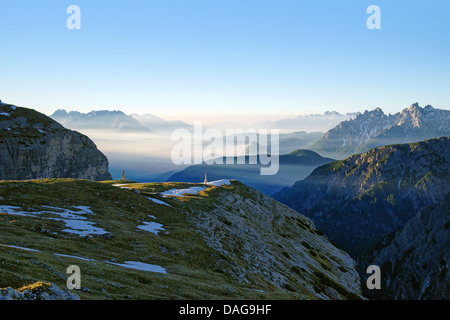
point(206, 57)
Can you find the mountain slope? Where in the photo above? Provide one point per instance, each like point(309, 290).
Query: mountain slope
point(415, 261)
point(136, 241)
point(116, 121)
point(34, 146)
point(358, 201)
point(293, 167)
point(374, 129)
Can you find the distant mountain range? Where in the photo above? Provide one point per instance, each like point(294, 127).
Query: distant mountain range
point(293, 167)
point(289, 142)
point(155, 123)
point(374, 128)
point(115, 121)
point(309, 123)
point(98, 120)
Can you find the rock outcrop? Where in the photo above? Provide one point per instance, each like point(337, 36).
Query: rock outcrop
point(37, 291)
point(33, 146)
point(262, 238)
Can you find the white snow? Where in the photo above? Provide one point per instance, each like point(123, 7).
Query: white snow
point(75, 257)
point(21, 248)
point(136, 265)
point(75, 221)
point(219, 183)
point(141, 266)
point(119, 184)
point(122, 186)
point(152, 227)
point(182, 192)
point(5, 114)
point(159, 201)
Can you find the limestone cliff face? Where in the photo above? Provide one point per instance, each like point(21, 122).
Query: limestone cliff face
point(414, 261)
point(33, 146)
point(358, 201)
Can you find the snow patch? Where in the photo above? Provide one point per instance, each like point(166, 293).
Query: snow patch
point(152, 227)
point(159, 201)
point(75, 221)
point(219, 183)
point(119, 184)
point(75, 257)
point(141, 266)
point(182, 192)
point(21, 248)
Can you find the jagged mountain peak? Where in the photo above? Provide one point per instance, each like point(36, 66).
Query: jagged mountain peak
point(414, 106)
point(377, 112)
point(374, 128)
point(115, 120)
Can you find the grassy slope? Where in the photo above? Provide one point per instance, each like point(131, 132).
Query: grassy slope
point(190, 263)
point(120, 212)
point(188, 260)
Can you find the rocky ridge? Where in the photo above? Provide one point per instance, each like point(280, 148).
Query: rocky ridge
point(34, 146)
point(358, 201)
point(374, 129)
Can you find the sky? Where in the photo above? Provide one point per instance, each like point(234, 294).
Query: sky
point(245, 59)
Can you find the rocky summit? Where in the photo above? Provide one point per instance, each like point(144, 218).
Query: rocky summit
point(375, 128)
point(33, 146)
